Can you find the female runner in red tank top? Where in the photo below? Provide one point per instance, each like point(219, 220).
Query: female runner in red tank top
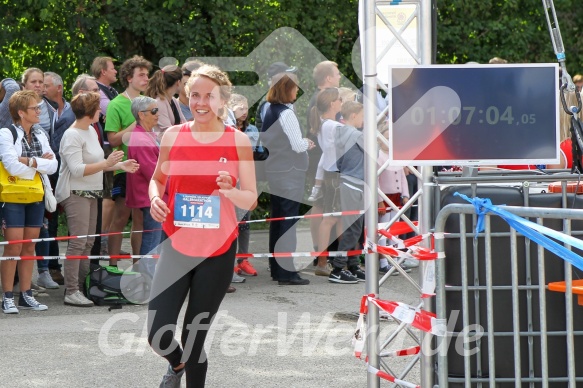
point(202, 161)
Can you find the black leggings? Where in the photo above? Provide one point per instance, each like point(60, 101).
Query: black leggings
point(207, 281)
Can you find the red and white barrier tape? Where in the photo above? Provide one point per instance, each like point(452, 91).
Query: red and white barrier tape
point(304, 254)
point(397, 228)
point(65, 238)
point(392, 237)
point(420, 319)
point(385, 376)
point(401, 353)
point(401, 227)
point(428, 282)
point(239, 255)
point(306, 216)
point(77, 257)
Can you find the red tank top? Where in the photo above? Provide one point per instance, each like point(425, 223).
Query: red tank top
point(193, 169)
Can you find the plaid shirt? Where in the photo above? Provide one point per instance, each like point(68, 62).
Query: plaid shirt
point(34, 149)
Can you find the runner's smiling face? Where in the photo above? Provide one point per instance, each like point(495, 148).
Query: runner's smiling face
point(205, 99)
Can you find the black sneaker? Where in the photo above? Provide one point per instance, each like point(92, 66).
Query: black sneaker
point(358, 273)
point(342, 276)
point(27, 302)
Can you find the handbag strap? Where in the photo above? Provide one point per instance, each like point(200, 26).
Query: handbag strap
point(12, 129)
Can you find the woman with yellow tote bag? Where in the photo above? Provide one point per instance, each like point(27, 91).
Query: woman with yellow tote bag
point(24, 157)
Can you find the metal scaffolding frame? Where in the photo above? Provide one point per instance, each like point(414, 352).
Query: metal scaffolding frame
point(421, 53)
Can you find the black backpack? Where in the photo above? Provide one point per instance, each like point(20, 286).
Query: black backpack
point(112, 286)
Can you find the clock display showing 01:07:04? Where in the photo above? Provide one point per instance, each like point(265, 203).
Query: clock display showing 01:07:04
point(467, 115)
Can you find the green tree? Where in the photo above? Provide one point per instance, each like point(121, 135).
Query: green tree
point(512, 29)
point(64, 36)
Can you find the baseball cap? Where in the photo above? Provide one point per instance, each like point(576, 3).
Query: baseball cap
point(280, 67)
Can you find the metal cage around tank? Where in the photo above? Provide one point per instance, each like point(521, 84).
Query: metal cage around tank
point(506, 327)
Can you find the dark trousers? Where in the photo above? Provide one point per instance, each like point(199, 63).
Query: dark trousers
point(205, 281)
point(96, 249)
point(287, 192)
point(351, 198)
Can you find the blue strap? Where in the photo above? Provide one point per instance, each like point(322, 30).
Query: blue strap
point(530, 230)
point(481, 206)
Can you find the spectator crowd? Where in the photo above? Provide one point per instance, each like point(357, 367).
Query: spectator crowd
point(98, 153)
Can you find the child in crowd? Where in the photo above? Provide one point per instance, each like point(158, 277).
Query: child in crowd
point(349, 143)
point(392, 183)
point(322, 122)
point(240, 108)
point(392, 180)
point(345, 94)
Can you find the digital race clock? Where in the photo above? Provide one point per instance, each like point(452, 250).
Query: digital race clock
point(474, 114)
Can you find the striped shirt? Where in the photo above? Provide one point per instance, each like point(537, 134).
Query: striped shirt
point(291, 127)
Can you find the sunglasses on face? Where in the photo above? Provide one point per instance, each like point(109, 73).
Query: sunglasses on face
point(152, 111)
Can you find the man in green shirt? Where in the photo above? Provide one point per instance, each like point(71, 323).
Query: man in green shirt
point(133, 75)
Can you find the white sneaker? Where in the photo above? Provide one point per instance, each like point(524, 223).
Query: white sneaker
point(45, 280)
point(171, 379)
point(77, 299)
point(316, 194)
point(237, 278)
point(411, 263)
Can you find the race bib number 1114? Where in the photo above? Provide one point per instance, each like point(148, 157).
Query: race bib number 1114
point(197, 211)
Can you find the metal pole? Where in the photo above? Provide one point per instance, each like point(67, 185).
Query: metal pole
point(425, 207)
point(370, 168)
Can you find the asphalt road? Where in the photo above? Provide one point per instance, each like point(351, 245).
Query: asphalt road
point(265, 335)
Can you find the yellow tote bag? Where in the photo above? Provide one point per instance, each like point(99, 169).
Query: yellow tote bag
point(19, 190)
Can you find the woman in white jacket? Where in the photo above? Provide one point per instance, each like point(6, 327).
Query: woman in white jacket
point(24, 157)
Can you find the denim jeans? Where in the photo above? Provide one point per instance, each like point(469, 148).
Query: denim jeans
point(150, 242)
point(42, 248)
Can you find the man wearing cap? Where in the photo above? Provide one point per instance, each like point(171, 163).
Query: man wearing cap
point(273, 70)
